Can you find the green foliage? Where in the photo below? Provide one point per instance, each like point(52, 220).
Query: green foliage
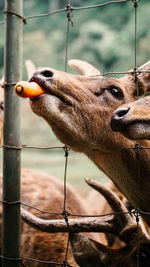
point(103, 36)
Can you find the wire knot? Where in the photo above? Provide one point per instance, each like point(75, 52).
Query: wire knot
point(65, 214)
point(138, 148)
point(135, 2)
point(66, 149)
point(136, 71)
point(4, 84)
point(16, 14)
point(69, 10)
point(137, 213)
point(11, 203)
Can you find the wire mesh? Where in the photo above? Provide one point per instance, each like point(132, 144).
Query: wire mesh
point(137, 148)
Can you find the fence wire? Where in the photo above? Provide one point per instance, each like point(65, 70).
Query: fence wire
point(68, 9)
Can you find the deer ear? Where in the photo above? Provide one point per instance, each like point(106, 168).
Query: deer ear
point(83, 67)
point(83, 251)
point(144, 76)
point(30, 67)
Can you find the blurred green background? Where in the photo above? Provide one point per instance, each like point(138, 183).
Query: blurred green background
point(104, 37)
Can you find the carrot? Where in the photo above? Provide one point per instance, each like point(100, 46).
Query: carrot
point(28, 89)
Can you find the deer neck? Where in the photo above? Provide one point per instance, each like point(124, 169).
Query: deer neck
point(130, 172)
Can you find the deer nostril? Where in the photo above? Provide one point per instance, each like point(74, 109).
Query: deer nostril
point(47, 73)
point(121, 112)
point(117, 119)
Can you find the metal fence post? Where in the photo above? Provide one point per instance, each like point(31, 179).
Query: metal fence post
point(11, 137)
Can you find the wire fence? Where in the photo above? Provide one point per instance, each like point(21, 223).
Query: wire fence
point(68, 9)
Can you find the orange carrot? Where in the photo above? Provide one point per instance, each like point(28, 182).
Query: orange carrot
point(28, 89)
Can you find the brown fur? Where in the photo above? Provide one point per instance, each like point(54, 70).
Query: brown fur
point(46, 192)
point(79, 110)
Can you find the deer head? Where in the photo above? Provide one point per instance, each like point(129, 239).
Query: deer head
point(133, 119)
point(79, 107)
point(87, 251)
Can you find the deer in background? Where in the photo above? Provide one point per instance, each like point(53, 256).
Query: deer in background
point(89, 252)
point(79, 107)
point(133, 119)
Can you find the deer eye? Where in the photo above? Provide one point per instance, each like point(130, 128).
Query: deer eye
point(2, 106)
point(116, 92)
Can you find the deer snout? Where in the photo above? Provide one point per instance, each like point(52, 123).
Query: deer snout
point(117, 119)
point(41, 76)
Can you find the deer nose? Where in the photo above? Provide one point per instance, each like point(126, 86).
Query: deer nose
point(117, 119)
point(41, 76)
point(46, 73)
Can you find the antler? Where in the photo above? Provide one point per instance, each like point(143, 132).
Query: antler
point(93, 224)
point(120, 211)
point(110, 223)
point(83, 67)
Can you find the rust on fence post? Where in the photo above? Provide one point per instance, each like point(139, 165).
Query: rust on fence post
point(11, 137)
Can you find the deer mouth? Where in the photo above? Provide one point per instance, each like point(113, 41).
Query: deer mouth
point(133, 129)
point(49, 91)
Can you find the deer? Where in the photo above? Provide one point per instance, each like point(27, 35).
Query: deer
point(93, 197)
point(78, 109)
point(133, 120)
point(90, 252)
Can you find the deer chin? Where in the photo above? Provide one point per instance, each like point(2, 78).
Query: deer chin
point(60, 117)
point(44, 104)
point(50, 104)
point(136, 130)
point(54, 111)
